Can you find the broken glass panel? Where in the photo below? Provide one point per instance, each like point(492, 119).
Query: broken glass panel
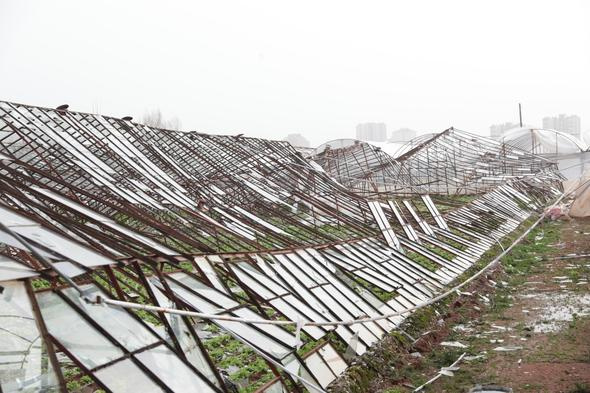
point(12, 270)
point(24, 363)
point(52, 241)
point(115, 320)
point(90, 347)
point(384, 225)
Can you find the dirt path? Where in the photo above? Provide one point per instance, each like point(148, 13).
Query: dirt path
point(534, 334)
point(525, 326)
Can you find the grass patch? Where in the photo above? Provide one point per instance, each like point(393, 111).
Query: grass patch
point(422, 260)
point(227, 352)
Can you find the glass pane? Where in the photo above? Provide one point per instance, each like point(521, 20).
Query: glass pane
point(333, 359)
point(292, 313)
point(51, 240)
point(125, 376)
point(319, 369)
point(204, 290)
point(122, 326)
point(256, 338)
point(253, 284)
point(275, 331)
point(174, 373)
point(24, 364)
point(210, 272)
point(197, 302)
point(78, 336)
point(187, 342)
point(12, 270)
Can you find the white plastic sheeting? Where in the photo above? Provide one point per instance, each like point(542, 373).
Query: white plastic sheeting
point(544, 142)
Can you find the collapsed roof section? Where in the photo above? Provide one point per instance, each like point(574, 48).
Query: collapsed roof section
point(217, 189)
point(544, 142)
point(221, 225)
point(452, 162)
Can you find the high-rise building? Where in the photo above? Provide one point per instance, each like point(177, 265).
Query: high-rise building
point(297, 140)
point(402, 135)
point(497, 130)
point(376, 132)
point(569, 124)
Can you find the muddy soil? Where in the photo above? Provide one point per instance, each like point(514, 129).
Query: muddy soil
point(528, 330)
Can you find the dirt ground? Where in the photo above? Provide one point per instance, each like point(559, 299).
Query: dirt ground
point(547, 317)
point(529, 329)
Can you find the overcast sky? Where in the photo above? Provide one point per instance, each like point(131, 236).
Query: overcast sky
point(269, 68)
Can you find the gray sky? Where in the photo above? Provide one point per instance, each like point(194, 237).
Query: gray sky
point(269, 68)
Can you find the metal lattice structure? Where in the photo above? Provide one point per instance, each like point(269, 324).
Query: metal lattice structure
point(452, 162)
point(93, 205)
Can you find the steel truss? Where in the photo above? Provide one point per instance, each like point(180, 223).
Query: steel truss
point(223, 225)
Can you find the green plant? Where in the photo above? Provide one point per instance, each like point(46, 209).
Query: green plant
point(580, 387)
point(395, 390)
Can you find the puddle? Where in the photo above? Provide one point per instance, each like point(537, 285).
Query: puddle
point(559, 309)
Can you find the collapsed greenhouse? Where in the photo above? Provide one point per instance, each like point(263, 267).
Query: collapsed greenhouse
point(105, 224)
point(452, 162)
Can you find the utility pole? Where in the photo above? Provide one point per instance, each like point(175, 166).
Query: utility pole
point(520, 113)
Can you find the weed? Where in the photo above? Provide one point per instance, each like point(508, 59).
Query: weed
point(445, 357)
point(580, 388)
point(395, 390)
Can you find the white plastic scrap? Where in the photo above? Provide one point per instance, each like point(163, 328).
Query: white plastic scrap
point(502, 328)
point(462, 328)
point(507, 349)
point(448, 371)
point(475, 357)
point(455, 344)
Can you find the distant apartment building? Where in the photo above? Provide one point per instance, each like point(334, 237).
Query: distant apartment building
point(297, 140)
point(376, 132)
point(568, 124)
point(402, 135)
point(498, 130)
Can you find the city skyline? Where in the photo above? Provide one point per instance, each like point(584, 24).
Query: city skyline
point(568, 123)
point(297, 140)
point(371, 131)
point(496, 131)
